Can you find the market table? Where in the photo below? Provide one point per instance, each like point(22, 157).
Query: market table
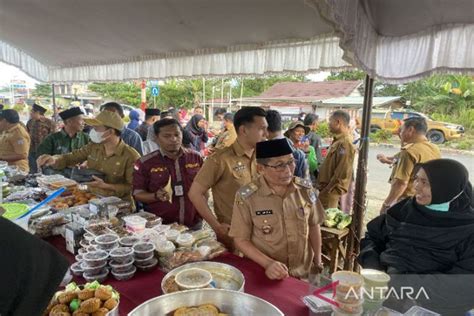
point(285, 294)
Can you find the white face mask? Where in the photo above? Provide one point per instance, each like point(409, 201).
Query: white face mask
point(95, 136)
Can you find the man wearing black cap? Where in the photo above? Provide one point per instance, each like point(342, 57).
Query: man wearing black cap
point(70, 138)
point(151, 116)
point(14, 140)
point(39, 127)
point(276, 218)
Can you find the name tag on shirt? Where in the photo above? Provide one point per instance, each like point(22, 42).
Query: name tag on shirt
point(178, 190)
point(264, 212)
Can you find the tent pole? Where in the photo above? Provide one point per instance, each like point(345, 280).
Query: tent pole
point(359, 205)
point(54, 103)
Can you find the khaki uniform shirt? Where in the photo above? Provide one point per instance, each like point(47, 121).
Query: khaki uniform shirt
point(278, 226)
point(16, 140)
point(38, 130)
point(227, 138)
point(118, 168)
point(225, 172)
point(338, 165)
point(409, 156)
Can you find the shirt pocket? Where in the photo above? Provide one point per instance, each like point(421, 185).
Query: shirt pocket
point(159, 177)
point(302, 218)
point(267, 227)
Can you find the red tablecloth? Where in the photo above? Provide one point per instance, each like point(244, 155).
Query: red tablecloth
point(285, 294)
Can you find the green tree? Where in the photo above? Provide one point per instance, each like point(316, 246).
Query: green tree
point(42, 90)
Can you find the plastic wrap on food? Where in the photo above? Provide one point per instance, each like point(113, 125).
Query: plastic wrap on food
point(151, 235)
point(178, 227)
point(201, 234)
point(44, 226)
point(179, 258)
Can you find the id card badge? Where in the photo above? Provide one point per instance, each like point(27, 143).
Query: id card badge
point(178, 190)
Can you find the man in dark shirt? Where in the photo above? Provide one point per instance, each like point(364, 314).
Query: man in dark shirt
point(162, 179)
point(151, 116)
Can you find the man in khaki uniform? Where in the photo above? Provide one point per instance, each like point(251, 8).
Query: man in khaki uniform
point(275, 221)
point(228, 136)
point(335, 174)
point(107, 153)
point(227, 170)
point(14, 140)
point(417, 149)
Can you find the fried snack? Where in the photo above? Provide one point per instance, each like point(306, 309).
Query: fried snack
point(103, 293)
point(110, 303)
point(60, 314)
point(86, 294)
point(67, 297)
point(209, 308)
point(180, 311)
point(59, 308)
point(91, 305)
point(101, 312)
point(170, 285)
point(79, 313)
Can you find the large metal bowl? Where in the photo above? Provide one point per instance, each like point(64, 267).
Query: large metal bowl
point(230, 302)
point(225, 276)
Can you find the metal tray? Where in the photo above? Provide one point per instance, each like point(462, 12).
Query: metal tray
point(225, 276)
point(229, 302)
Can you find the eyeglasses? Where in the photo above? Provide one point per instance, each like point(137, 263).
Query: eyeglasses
point(282, 166)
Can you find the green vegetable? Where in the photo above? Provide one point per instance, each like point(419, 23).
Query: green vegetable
point(75, 304)
point(345, 221)
point(115, 295)
point(72, 287)
point(332, 212)
point(330, 223)
point(93, 286)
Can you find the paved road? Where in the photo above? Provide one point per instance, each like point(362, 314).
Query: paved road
point(377, 179)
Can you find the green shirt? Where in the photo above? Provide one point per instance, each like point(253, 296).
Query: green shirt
point(61, 143)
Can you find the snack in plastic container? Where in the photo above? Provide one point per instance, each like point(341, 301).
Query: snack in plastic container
point(82, 251)
point(162, 228)
point(78, 258)
point(99, 277)
point(172, 234)
point(143, 250)
point(84, 243)
point(134, 223)
point(129, 241)
point(92, 270)
point(107, 241)
point(122, 276)
point(185, 240)
point(165, 249)
point(121, 267)
point(88, 236)
point(76, 269)
point(146, 261)
point(193, 278)
point(121, 254)
point(348, 281)
point(148, 267)
point(95, 258)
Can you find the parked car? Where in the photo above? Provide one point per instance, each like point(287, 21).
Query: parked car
point(438, 132)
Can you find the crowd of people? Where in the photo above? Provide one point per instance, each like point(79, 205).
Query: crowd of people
point(269, 187)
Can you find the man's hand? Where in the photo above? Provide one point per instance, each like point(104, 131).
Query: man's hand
point(45, 160)
point(222, 234)
point(384, 159)
point(276, 271)
point(162, 195)
point(98, 183)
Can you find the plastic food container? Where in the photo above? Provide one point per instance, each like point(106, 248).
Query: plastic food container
point(82, 251)
point(92, 270)
point(89, 237)
point(172, 234)
point(144, 262)
point(129, 241)
point(143, 250)
point(124, 275)
point(351, 308)
point(100, 277)
point(95, 258)
point(121, 267)
point(84, 243)
point(340, 312)
point(121, 254)
point(185, 240)
point(107, 241)
point(165, 249)
point(76, 269)
point(91, 248)
point(78, 258)
point(193, 278)
point(135, 223)
point(348, 281)
point(375, 278)
point(162, 228)
point(148, 267)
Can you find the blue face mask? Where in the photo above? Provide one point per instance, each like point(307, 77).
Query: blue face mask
point(442, 207)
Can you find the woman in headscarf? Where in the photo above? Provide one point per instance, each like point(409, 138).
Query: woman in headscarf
point(150, 144)
point(198, 133)
point(431, 234)
point(134, 116)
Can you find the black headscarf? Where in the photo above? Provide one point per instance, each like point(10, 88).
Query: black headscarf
point(448, 178)
point(192, 125)
point(30, 269)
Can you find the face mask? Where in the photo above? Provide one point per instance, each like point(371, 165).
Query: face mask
point(442, 207)
point(95, 136)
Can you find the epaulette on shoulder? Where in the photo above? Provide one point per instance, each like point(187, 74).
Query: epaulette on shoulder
point(149, 156)
point(303, 182)
point(405, 147)
point(247, 190)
